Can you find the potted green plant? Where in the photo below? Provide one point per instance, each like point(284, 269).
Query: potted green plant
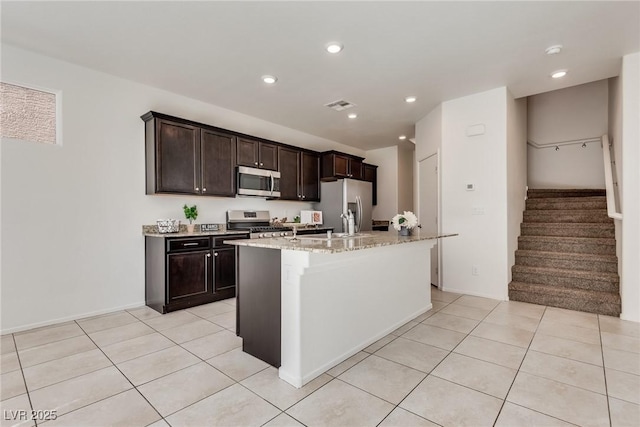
point(191, 213)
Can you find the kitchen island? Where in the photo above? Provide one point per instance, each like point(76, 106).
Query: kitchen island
point(306, 305)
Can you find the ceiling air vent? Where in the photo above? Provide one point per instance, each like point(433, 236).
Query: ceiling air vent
point(340, 105)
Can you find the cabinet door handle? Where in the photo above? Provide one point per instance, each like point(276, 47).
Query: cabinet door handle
point(190, 244)
point(206, 272)
point(197, 188)
point(204, 189)
point(261, 164)
point(215, 254)
point(303, 197)
point(256, 163)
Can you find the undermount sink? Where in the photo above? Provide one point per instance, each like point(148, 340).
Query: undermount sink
point(334, 236)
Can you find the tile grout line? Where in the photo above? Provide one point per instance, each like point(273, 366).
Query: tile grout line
point(426, 376)
point(604, 371)
point(24, 380)
point(121, 373)
point(519, 367)
point(195, 355)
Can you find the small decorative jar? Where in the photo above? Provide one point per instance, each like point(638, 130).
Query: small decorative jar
point(404, 231)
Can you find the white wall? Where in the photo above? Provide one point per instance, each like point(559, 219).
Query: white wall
point(72, 214)
point(572, 166)
point(406, 156)
point(482, 161)
point(429, 134)
point(387, 161)
point(615, 137)
point(516, 172)
point(575, 112)
point(630, 286)
point(428, 142)
point(578, 112)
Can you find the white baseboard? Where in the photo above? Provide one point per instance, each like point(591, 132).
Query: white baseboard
point(68, 318)
point(475, 293)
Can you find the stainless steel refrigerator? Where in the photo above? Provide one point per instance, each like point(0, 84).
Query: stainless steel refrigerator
point(339, 196)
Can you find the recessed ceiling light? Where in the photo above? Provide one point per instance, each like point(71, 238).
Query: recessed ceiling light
point(269, 79)
point(334, 47)
point(558, 74)
point(410, 99)
point(402, 137)
point(553, 50)
point(352, 115)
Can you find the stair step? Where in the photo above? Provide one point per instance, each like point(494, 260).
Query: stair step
point(563, 229)
point(571, 216)
point(580, 245)
point(537, 193)
point(590, 280)
point(567, 203)
point(606, 303)
point(567, 261)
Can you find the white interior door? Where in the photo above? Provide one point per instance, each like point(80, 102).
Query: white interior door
point(428, 175)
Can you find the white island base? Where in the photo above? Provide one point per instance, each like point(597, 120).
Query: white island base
point(334, 305)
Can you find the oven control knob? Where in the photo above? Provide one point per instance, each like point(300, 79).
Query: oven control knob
point(283, 234)
point(261, 235)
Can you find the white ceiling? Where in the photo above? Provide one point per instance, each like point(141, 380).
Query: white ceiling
point(217, 51)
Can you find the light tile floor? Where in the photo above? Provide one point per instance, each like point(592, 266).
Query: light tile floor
point(469, 361)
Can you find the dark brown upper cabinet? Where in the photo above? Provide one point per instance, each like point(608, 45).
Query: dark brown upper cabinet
point(172, 157)
point(257, 154)
point(310, 177)
point(370, 174)
point(336, 165)
point(299, 175)
point(182, 158)
point(218, 153)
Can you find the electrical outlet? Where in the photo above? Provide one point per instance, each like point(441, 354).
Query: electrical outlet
point(474, 270)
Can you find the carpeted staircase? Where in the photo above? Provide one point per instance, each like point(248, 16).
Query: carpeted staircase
point(566, 253)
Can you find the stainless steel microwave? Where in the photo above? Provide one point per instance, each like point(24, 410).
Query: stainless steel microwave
point(258, 182)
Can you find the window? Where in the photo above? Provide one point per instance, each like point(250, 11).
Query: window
point(29, 114)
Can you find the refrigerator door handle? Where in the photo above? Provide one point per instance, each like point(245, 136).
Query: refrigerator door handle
point(359, 223)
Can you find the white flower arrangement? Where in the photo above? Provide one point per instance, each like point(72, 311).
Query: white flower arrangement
point(406, 219)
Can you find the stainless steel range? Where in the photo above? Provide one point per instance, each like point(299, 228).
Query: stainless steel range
point(257, 223)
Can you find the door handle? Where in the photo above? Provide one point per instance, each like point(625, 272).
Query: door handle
point(359, 204)
point(273, 183)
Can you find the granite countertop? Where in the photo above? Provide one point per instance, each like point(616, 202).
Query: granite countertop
point(152, 231)
point(372, 239)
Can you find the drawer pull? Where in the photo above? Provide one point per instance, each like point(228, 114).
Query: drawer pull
point(190, 244)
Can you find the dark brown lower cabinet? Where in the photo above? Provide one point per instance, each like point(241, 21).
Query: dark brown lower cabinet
point(184, 272)
point(188, 275)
